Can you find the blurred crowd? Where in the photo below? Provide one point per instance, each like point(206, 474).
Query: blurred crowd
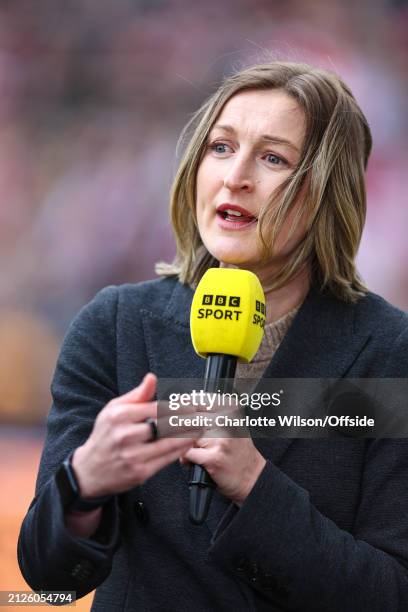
point(93, 95)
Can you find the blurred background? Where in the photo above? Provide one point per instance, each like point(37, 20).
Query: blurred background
point(93, 95)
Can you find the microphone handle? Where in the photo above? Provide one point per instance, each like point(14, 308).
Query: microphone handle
point(219, 374)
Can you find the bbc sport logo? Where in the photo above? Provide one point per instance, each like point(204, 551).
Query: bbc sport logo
point(234, 301)
point(260, 307)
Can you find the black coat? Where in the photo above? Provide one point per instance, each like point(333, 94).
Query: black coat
point(325, 526)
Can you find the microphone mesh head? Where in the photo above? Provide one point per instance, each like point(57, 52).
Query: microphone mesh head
point(228, 314)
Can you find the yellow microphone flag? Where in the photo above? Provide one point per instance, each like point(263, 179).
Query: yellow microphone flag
point(228, 314)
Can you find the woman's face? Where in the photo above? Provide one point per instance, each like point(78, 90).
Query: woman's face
point(253, 147)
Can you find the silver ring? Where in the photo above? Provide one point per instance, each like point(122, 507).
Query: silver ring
point(153, 429)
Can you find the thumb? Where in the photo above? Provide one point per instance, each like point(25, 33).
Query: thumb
point(144, 392)
point(184, 461)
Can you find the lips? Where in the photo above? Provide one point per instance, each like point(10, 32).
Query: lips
point(231, 216)
point(234, 212)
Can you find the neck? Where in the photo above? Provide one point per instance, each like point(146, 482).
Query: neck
point(281, 301)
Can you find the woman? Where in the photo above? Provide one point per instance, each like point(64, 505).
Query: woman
point(272, 181)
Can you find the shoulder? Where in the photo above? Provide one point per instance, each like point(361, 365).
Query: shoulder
point(121, 308)
point(378, 327)
point(153, 295)
point(116, 300)
point(387, 327)
point(374, 309)
point(373, 313)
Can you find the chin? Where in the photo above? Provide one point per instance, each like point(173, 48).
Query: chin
point(231, 257)
point(232, 252)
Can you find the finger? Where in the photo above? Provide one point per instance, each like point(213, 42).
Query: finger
point(160, 462)
point(206, 441)
point(144, 392)
point(182, 428)
point(132, 413)
point(121, 413)
point(200, 456)
point(132, 434)
point(150, 452)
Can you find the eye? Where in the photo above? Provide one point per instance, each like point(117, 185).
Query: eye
point(274, 159)
point(219, 147)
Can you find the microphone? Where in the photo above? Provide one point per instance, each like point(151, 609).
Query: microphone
point(227, 321)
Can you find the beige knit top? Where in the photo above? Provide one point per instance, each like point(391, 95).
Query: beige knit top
point(273, 336)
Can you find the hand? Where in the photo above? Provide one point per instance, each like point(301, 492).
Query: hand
point(233, 463)
point(118, 454)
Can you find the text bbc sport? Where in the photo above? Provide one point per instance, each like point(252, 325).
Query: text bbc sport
point(232, 315)
point(234, 301)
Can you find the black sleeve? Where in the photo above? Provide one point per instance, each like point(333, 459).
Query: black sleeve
point(295, 557)
point(50, 558)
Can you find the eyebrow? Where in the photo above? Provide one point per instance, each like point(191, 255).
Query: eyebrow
point(274, 139)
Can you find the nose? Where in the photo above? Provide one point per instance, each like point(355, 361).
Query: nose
point(239, 177)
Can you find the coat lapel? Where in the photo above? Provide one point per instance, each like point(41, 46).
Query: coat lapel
point(168, 339)
point(321, 343)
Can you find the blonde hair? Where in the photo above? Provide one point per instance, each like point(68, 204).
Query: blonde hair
point(334, 158)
